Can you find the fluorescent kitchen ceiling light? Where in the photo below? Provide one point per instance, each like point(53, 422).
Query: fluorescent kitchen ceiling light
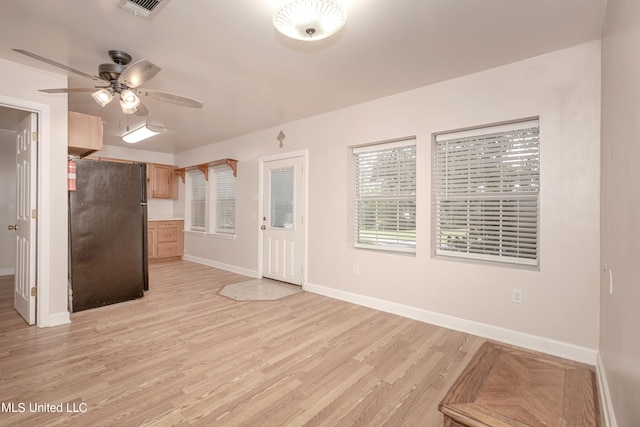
point(144, 132)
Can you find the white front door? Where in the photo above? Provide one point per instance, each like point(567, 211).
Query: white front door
point(283, 239)
point(24, 299)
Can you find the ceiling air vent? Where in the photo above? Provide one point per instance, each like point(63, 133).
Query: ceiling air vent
point(144, 8)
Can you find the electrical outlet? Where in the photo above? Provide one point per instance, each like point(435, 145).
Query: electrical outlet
point(356, 269)
point(517, 296)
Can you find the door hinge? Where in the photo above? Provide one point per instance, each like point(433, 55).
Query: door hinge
point(34, 136)
point(34, 291)
point(34, 213)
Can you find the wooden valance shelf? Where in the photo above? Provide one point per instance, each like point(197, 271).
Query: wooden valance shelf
point(233, 164)
point(204, 168)
point(180, 172)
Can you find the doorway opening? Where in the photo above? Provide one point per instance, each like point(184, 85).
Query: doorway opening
point(19, 204)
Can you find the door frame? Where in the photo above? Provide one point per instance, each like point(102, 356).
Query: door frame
point(304, 155)
point(43, 191)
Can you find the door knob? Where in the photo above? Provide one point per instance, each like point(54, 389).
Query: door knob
point(13, 227)
point(264, 227)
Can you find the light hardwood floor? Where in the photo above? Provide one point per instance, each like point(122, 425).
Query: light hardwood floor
point(185, 355)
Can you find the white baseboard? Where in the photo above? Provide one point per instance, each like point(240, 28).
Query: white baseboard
point(222, 266)
point(57, 319)
point(507, 336)
point(606, 405)
point(7, 271)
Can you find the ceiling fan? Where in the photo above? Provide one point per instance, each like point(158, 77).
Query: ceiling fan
point(122, 79)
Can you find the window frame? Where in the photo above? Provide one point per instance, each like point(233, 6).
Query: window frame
point(189, 195)
point(503, 230)
point(405, 198)
point(220, 174)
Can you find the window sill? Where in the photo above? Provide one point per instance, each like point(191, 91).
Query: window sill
point(485, 262)
point(387, 249)
point(222, 236)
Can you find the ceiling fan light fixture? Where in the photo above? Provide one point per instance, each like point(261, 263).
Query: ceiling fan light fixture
point(103, 96)
point(129, 99)
point(309, 20)
point(127, 109)
point(144, 132)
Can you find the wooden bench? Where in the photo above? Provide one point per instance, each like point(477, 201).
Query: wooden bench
point(504, 386)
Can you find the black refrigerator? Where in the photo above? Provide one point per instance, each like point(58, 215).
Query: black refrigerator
point(107, 234)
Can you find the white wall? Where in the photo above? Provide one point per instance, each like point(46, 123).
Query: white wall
point(560, 301)
point(7, 201)
point(619, 312)
point(53, 192)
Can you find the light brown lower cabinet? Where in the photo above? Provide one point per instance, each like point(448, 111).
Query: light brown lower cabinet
point(166, 239)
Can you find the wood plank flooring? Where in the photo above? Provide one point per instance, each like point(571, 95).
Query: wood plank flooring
point(184, 355)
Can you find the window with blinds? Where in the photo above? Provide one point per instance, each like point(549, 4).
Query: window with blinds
point(385, 196)
point(225, 200)
point(197, 200)
point(487, 185)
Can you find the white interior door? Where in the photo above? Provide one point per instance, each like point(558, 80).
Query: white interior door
point(24, 299)
point(283, 240)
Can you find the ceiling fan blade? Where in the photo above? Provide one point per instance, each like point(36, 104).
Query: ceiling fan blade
point(68, 90)
point(171, 98)
point(141, 110)
point(138, 73)
point(59, 65)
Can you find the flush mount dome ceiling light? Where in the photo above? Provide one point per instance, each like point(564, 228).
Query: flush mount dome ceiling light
point(309, 20)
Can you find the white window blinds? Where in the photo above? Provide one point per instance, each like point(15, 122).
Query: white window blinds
point(487, 187)
point(385, 196)
point(197, 201)
point(225, 200)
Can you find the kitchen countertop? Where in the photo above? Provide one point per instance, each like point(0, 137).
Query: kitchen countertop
point(165, 219)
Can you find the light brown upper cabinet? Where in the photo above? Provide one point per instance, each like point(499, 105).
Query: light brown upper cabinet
point(163, 181)
point(85, 134)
